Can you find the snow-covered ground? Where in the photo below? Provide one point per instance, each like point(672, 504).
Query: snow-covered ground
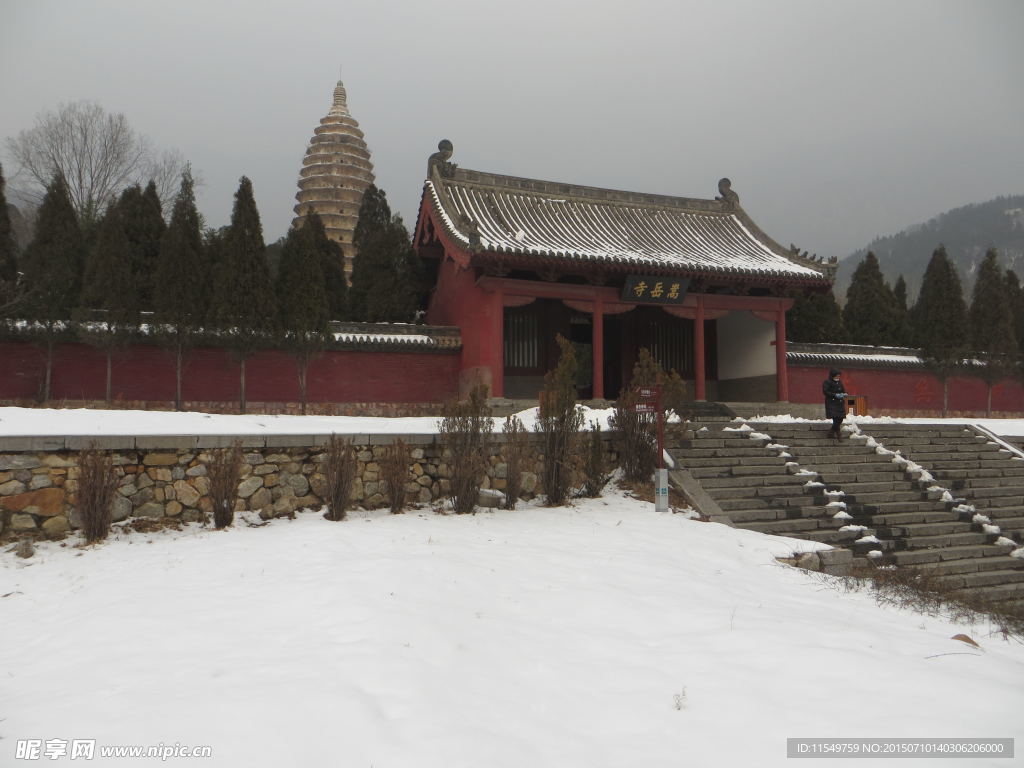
point(598, 635)
point(88, 421)
point(83, 421)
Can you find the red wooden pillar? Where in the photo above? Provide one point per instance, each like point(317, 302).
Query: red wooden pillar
point(498, 350)
point(781, 371)
point(698, 351)
point(597, 354)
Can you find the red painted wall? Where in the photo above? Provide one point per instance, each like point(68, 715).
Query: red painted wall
point(908, 390)
point(147, 373)
point(457, 300)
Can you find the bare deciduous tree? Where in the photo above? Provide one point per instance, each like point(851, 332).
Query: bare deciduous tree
point(98, 153)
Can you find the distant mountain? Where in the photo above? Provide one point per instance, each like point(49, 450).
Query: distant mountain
point(966, 232)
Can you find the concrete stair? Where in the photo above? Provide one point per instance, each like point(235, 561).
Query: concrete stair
point(973, 467)
point(756, 487)
point(906, 524)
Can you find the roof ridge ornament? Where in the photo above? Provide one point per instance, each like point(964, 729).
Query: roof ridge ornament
point(439, 160)
point(728, 198)
point(472, 231)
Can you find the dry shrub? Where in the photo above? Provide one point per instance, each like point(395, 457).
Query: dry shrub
point(97, 485)
point(558, 424)
point(923, 590)
point(339, 477)
point(395, 468)
point(224, 471)
point(595, 472)
point(638, 432)
point(465, 431)
point(515, 455)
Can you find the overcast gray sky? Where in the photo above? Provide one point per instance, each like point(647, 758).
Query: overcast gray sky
point(836, 121)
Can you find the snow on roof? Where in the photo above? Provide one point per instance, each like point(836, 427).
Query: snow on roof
point(386, 338)
point(865, 358)
point(528, 217)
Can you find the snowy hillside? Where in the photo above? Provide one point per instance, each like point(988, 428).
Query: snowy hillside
point(598, 635)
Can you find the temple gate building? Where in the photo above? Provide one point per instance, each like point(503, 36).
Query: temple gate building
point(518, 261)
point(335, 173)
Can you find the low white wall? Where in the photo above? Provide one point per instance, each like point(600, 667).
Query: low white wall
point(745, 348)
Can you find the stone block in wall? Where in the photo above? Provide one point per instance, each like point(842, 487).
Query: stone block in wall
point(102, 442)
point(201, 484)
point(55, 461)
point(23, 444)
point(40, 481)
point(12, 487)
point(120, 509)
point(22, 521)
point(290, 441)
point(166, 442)
point(150, 509)
point(47, 443)
point(160, 459)
point(249, 486)
point(226, 441)
point(299, 485)
point(142, 496)
point(48, 502)
point(185, 493)
point(16, 461)
point(261, 499)
point(56, 526)
point(173, 508)
point(318, 484)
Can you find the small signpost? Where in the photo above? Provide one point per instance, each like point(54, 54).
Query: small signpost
point(650, 402)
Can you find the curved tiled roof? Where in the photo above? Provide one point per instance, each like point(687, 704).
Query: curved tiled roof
point(852, 356)
point(507, 215)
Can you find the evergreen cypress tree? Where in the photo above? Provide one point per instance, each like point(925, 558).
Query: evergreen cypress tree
point(871, 314)
point(993, 337)
point(902, 313)
point(332, 266)
point(245, 307)
point(109, 313)
point(8, 253)
point(181, 276)
point(384, 273)
point(52, 272)
point(213, 258)
point(939, 321)
point(1015, 296)
point(302, 297)
point(815, 318)
point(144, 226)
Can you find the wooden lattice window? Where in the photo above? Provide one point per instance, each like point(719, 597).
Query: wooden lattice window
point(522, 340)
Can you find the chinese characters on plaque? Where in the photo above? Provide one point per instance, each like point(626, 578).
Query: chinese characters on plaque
point(644, 289)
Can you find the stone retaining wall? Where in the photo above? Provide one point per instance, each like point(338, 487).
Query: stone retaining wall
point(162, 477)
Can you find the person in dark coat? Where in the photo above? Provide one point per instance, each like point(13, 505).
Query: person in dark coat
point(835, 401)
